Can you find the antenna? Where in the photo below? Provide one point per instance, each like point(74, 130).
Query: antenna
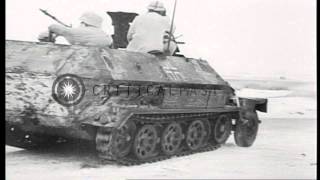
point(171, 27)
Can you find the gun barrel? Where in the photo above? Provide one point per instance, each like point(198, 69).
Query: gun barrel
point(54, 18)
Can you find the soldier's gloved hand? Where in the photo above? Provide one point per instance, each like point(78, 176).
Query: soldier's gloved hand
point(44, 37)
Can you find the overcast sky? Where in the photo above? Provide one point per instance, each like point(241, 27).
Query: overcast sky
point(237, 37)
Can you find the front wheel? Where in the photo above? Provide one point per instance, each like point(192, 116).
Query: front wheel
point(246, 132)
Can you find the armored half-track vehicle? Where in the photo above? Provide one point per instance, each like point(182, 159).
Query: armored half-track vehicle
point(134, 107)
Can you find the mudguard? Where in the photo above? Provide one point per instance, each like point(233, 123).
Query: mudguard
point(259, 104)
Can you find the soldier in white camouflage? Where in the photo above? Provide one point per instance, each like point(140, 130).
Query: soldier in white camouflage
point(89, 33)
point(149, 32)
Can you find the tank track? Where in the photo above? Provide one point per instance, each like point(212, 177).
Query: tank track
point(159, 120)
point(132, 162)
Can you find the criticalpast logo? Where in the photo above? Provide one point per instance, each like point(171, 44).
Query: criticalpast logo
point(68, 90)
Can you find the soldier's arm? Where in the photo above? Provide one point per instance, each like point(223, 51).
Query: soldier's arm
point(72, 35)
point(60, 30)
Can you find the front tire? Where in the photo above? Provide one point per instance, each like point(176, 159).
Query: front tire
point(246, 132)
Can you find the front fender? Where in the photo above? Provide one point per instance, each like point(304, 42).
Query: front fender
point(253, 104)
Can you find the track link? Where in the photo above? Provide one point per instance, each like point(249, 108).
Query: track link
point(132, 162)
point(106, 154)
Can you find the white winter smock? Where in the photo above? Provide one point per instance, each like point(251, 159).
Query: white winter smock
point(147, 31)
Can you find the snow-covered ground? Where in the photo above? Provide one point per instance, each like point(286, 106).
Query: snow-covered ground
point(285, 147)
point(286, 98)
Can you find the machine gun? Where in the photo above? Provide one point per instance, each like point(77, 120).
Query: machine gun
point(169, 34)
point(171, 37)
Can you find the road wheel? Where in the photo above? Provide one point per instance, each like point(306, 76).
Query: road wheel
point(171, 139)
point(124, 139)
point(118, 142)
point(246, 132)
point(222, 129)
point(145, 142)
point(196, 134)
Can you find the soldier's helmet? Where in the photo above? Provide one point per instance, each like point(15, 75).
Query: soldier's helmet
point(92, 19)
point(156, 6)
